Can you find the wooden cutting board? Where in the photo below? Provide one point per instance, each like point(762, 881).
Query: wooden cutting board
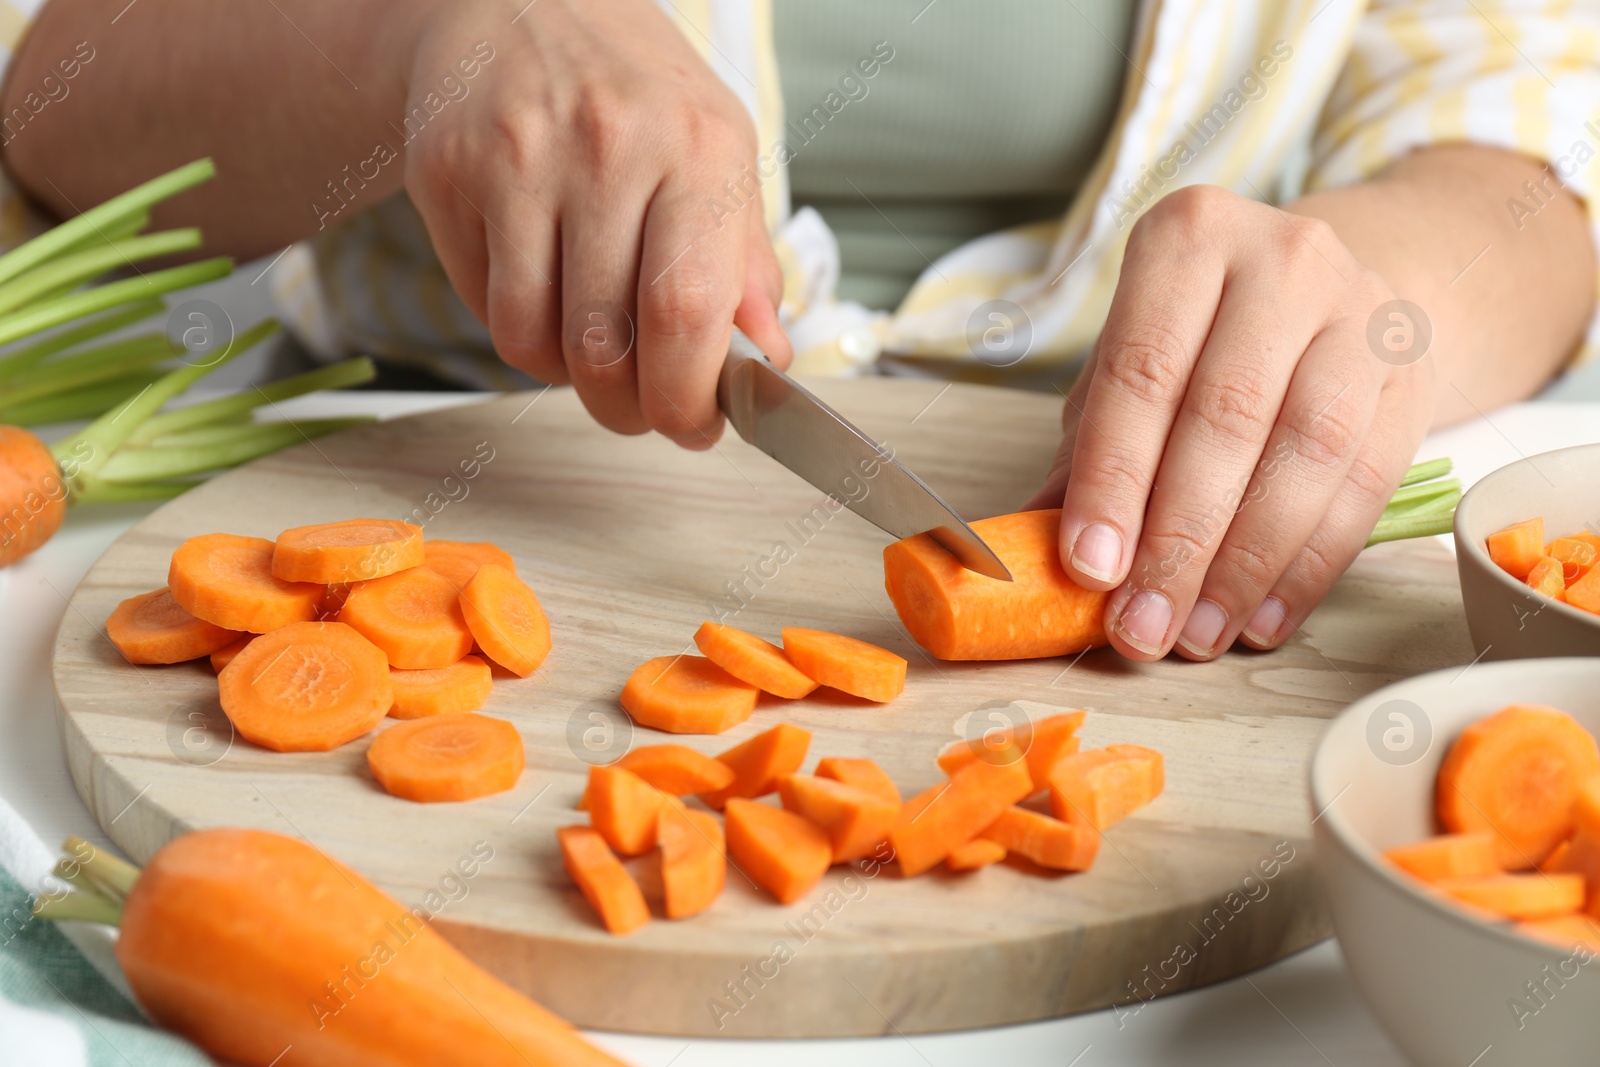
point(631, 543)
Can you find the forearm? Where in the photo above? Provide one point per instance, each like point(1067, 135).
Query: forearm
point(1507, 305)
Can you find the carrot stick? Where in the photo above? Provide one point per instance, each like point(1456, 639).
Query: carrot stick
point(687, 695)
point(602, 879)
point(760, 762)
point(415, 616)
point(353, 550)
point(693, 859)
point(1568, 932)
point(1048, 842)
point(623, 807)
point(862, 774)
point(465, 685)
point(1045, 743)
point(224, 655)
point(943, 818)
point(752, 660)
point(1103, 786)
point(855, 821)
point(782, 852)
point(306, 687)
point(846, 664)
point(1448, 856)
point(33, 496)
point(227, 580)
point(506, 619)
point(458, 561)
point(1518, 547)
point(152, 628)
point(447, 757)
point(1517, 772)
point(976, 854)
point(1518, 896)
point(1577, 556)
point(1547, 577)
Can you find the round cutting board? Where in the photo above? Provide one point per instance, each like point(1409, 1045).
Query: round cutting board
point(631, 543)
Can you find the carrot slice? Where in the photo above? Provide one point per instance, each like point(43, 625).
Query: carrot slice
point(457, 561)
point(354, 550)
point(862, 774)
point(687, 695)
point(856, 822)
point(759, 762)
point(1045, 742)
point(465, 685)
point(447, 757)
point(623, 807)
point(1585, 592)
point(505, 617)
point(958, 614)
point(306, 687)
point(846, 664)
point(1048, 842)
point(676, 770)
point(1517, 772)
point(227, 580)
point(694, 862)
point(1448, 856)
point(1577, 556)
point(975, 855)
point(415, 616)
point(153, 628)
point(1569, 932)
point(602, 879)
point(224, 655)
point(1518, 896)
point(782, 852)
point(1101, 787)
point(752, 660)
point(1518, 547)
point(943, 818)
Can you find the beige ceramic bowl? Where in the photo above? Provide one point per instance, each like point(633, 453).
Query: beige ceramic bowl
point(1506, 618)
point(1451, 990)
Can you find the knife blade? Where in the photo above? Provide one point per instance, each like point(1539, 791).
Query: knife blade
point(782, 418)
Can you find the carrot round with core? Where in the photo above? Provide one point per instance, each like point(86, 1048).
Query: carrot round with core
point(1448, 856)
point(1518, 547)
point(353, 550)
point(458, 561)
point(624, 808)
point(782, 852)
point(687, 695)
point(941, 819)
point(415, 616)
point(602, 879)
point(752, 660)
point(958, 614)
point(447, 757)
point(224, 655)
point(975, 855)
point(505, 617)
point(856, 822)
point(153, 628)
point(862, 774)
point(845, 663)
point(227, 580)
point(1518, 896)
point(465, 685)
point(760, 762)
point(33, 497)
point(1101, 787)
point(694, 862)
point(306, 687)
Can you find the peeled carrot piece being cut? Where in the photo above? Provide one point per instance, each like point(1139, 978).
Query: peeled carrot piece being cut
point(306, 687)
point(623, 807)
point(602, 879)
point(1517, 772)
point(959, 614)
point(1518, 547)
point(694, 861)
point(848, 665)
point(760, 762)
point(1448, 856)
point(465, 685)
point(1045, 743)
point(224, 655)
point(862, 774)
point(1101, 787)
point(1547, 577)
point(676, 770)
point(227, 580)
point(447, 757)
point(354, 550)
point(505, 617)
point(782, 852)
point(856, 822)
point(945, 817)
point(458, 561)
point(976, 854)
point(1518, 896)
point(1577, 556)
point(153, 628)
point(1048, 842)
point(687, 695)
point(1565, 931)
point(415, 616)
point(1585, 592)
point(752, 660)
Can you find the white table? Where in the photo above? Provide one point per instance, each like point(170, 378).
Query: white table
point(1301, 1011)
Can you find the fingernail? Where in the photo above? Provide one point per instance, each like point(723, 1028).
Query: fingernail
point(1266, 622)
point(1144, 621)
point(1098, 552)
point(1203, 628)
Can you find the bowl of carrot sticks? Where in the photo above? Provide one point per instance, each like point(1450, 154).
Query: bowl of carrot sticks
point(1458, 849)
point(1528, 552)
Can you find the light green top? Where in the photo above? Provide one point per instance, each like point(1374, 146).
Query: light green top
point(985, 114)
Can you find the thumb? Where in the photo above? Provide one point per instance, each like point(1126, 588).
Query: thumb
point(757, 313)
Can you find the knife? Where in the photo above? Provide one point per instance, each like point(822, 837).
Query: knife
point(782, 418)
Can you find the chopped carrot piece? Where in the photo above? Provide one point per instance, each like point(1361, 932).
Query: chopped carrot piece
point(943, 818)
point(505, 617)
point(975, 855)
point(1101, 787)
point(1569, 932)
point(1577, 556)
point(1045, 742)
point(752, 660)
point(623, 807)
point(1547, 577)
point(602, 879)
point(694, 861)
point(154, 628)
point(845, 663)
point(1448, 856)
point(227, 580)
point(1517, 772)
point(1518, 896)
point(414, 616)
point(306, 687)
point(224, 655)
point(1558, 862)
point(687, 695)
point(676, 770)
point(782, 852)
point(354, 550)
point(457, 561)
point(862, 774)
point(447, 757)
point(856, 822)
point(759, 762)
point(1051, 843)
point(465, 685)
point(1585, 592)
point(1518, 547)
point(1580, 854)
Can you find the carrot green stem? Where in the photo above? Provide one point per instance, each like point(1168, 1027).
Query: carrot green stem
point(14, 364)
point(47, 313)
point(334, 376)
point(1424, 491)
point(95, 491)
point(69, 271)
point(71, 872)
point(79, 907)
point(1427, 471)
point(83, 403)
point(126, 226)
point(90, 367)
point(208, 448)
point(114, 877)
point(1426, 525)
